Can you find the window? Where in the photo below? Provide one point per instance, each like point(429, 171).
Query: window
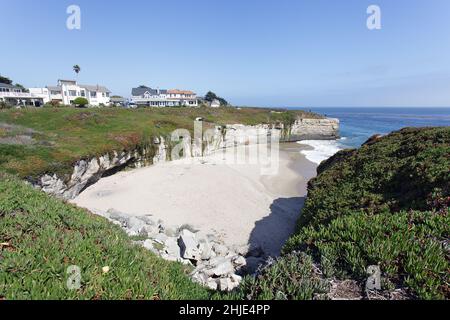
point(103, 95)
point(83, 93)
point(107, 94)
point(4, 90)
point(93, 94)
point(72, 93)
point(54, 93)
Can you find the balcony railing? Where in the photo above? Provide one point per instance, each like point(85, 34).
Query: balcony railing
point(18, 95)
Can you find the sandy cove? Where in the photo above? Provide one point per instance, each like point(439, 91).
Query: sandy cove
point(234, 202)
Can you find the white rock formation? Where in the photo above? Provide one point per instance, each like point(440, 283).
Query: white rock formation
point(190, 248)
point(215, 270)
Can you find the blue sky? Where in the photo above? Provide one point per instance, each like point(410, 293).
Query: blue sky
point(305, 53)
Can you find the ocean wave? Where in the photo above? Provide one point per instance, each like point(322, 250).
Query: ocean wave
point(322, 149)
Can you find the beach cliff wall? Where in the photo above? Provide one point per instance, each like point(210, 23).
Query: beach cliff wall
point(315, 129)
point(88, 171)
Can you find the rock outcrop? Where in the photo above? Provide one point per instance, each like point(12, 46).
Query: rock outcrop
point(87, 172)
point(315, 129)
point(216, 266)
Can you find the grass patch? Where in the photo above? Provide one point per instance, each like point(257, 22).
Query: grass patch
point(41, 237)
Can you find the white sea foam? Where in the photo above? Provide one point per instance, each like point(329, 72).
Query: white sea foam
point(322, 149)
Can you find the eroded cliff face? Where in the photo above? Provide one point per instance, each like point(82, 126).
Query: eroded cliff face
point(315, 129)
point(88, 171)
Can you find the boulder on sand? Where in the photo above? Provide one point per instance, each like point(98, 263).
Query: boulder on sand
point(172, 248)
point(239, 261)
point(206, 249)
point(137, 226)
point(222, 268)
point(189, 246)
point(118, 216)
point(220, 249)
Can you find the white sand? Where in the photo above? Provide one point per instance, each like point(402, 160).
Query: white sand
point(233, 202)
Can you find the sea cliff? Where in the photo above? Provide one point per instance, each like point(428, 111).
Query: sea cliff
point(86, 172)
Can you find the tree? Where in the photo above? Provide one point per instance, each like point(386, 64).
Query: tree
point(210, 96)
point(5, 80)
point(77, 69)
point(21, 87)
point(80, 102)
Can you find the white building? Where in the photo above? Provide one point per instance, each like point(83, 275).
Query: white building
point(66, 91)
point(145, 96)
point(214, 104)
point(15, 96)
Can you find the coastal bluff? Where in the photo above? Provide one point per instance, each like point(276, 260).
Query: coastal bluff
point(88, 171)
point(315, 129)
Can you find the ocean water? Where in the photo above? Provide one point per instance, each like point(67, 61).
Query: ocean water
point(359, 124)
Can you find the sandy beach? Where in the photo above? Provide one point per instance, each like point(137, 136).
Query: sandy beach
point(234, 202)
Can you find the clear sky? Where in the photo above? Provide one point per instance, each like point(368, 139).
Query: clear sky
point(305, 53)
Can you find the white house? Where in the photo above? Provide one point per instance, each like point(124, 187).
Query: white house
point(214, 104)
point(16, 96)
point(66, 91)
point(145, 96)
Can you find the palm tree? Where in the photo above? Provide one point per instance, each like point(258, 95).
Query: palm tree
point(77, 69)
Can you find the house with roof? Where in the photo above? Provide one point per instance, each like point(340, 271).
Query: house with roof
point(118, 101)
point(215, 103)
point(16, 96)
point(146, 96)
point(66, 91)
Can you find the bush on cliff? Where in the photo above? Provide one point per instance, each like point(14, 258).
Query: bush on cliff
point(408, 169)
point(386, 204)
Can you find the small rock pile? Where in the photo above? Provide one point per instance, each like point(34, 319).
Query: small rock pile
point(216, 265)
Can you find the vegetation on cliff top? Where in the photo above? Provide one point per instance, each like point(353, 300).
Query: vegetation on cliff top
point(386, 204)
point(51, 140)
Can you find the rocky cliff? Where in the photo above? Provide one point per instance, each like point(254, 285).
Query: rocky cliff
point(315, 129)
point(88, 171)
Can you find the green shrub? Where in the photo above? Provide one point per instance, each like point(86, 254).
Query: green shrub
point(4, 105)
point(80, 102)
point(54, 104)
point(409, 247)
point(292, 277)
